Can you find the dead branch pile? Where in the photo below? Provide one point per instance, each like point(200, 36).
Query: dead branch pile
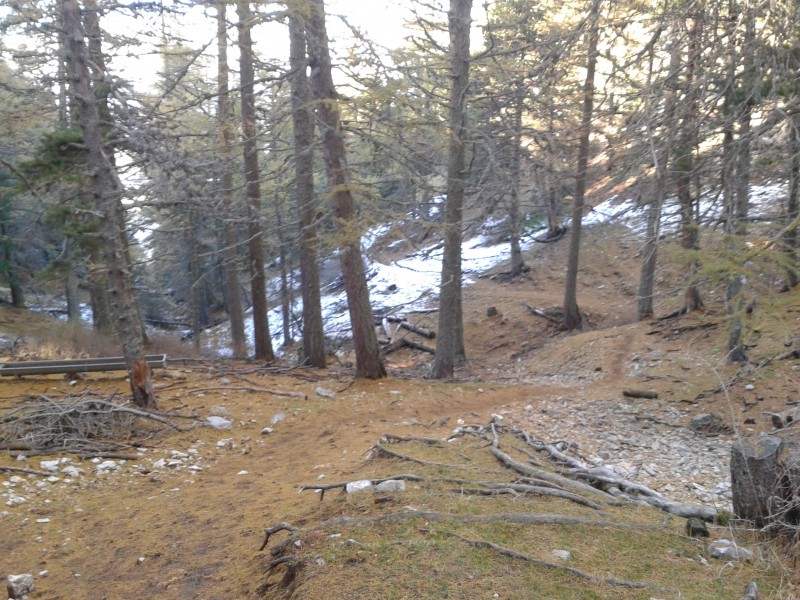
point(75, 425)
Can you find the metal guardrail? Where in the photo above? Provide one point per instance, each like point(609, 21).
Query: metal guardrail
point(78, 365)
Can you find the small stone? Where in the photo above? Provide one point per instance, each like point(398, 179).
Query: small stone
point(727, 550)
point(219, 422)
point(44, 573)
point(491, 311)
point(267, 430)
point(561, 554)
point(389, 486)
point(224, 381)
point(243, 472)
point(19, 586)
point(277, 418)
point(749, 387)
point(320, 391)
point(358, 486)
point(45, 520)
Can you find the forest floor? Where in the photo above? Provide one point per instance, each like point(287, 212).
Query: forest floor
point(185, 517)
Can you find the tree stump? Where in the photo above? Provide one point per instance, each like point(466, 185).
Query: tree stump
point(765, 479)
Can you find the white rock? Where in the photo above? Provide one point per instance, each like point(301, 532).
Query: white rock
point(727, 550)
point(277, 418)
point(243, 472)
point(160, 463)
point(391, 485)
point(22, 458)
point(749, 387)
point(267, 430)
point(20, 586)
point(195, 468)
point(561, 554)
point(16, 500)
point(44, 573)
point(72, 471)
point(45, 520)
point(16, 479)
point(178, 454)
point(220, 411)
point(321, 391)
point(358, 486)
point(108, 465)
point(52, 465)
point(219, 422)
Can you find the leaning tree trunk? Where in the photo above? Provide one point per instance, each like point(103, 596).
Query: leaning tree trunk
point(233, 295)
point(258, 277)
point(572, 313)
point(308, 244)
point(107, 202)
point(369, 363)
point(450, 341)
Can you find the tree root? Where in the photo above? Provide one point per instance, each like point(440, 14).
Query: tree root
point(379, 449)
point(390, 438)
point(23, 470)
point(542, 563)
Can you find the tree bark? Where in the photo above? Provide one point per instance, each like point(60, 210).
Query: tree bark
point(233, 296)
point(369, 362)
point(258, 278)
point(107, 201)
point(765, 480)
point(303, 128)
point(450, 343)
point(572, 313)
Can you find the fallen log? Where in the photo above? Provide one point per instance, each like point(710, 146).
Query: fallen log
point(539, 312)
point(426, 333)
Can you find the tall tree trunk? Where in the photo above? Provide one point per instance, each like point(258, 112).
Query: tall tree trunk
point(793, 202)
point(450, 341)
point(97, 280)
point(233, 295)
point(369, 363)
point(107, 201)
point(748, 91)
point(194, 275)
point(303, 128)
point(258, 277)
point(660, 156)
point(12, 271)
point(515, 225)
point(572, 313)
point(71, 287)
point(683, 167)
point(286, 290)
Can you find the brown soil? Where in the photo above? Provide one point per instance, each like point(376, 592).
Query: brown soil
point(176, 533)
